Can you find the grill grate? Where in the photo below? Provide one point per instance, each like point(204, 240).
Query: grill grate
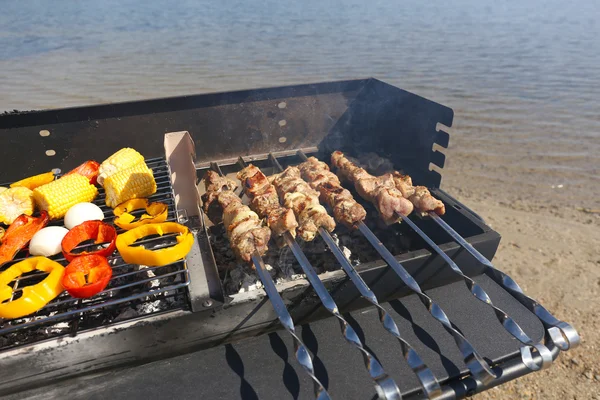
point(132, 292)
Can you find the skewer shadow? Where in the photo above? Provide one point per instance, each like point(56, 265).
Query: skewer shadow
point(425, 337)
point(236, 364)
point(310, 341)
point(290, 378)
point(360, 333)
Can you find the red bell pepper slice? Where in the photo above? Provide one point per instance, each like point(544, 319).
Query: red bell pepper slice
point(19, 233)
point(99, 231)
point(86, 276)
point(89, 169)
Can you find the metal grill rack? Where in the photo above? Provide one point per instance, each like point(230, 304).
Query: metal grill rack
point(131, 293)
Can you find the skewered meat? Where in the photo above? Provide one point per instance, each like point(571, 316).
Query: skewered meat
point(265, 202)
point(345, 209)
point(381, 191)
point(419, 196)
point(296, 194)
point(245, 229)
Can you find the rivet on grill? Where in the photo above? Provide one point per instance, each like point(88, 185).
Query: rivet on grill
point(283, 122)
point(56, 171)
point(50, 153)
point(282, 105)
point(44, 133)
point(282, 139)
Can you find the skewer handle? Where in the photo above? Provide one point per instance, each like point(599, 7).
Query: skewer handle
point(385, 385)
point(428, 381)
point(476, 364)
point(285, 318)
point(562, 334)
point(507, 322)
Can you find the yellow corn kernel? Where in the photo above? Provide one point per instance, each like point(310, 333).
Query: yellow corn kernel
point(134, 182)
point(122, 159)
point(14, 202)
point(58, 196)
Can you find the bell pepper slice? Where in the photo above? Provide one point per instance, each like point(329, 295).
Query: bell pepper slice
point(99, 231)
point(155, 213)
point(154, 258)
point(89, 169)
point(19, 233)
point(34, 297)
point(86, 276)
point(34, 181)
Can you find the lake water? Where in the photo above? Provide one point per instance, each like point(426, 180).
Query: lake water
point(522, 76)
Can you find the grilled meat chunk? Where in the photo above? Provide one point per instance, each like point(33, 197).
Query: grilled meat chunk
point(425, 202)
point(245, 229)
point(296, 194)
point(419, 196)
point(345, 209)
point(265, 202)
point(381, 191)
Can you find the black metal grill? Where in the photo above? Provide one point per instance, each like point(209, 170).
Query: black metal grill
point(131, 293)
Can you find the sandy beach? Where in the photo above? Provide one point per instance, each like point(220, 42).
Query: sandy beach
point(550, 246)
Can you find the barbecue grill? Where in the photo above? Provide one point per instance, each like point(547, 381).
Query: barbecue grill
point(421, 278)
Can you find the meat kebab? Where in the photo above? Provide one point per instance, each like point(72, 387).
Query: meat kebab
point(296, 194)
point(419, 196)
point(245, 230)
point(379, 190)
point(265, 202)
point(345, 209)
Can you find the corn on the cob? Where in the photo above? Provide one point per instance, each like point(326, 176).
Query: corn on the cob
point(134, 182)
point(58, 196)
point(122, 159)
point(14, 202)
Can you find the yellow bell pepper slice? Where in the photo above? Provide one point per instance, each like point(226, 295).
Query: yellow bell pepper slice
point(34, 181)
point(155, 213)
point(154, 258)
point(34, 297)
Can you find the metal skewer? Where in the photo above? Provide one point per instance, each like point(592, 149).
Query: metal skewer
point(385, 385)
point(563, 335)
point(430, 385)
point(507, 322)
point(285, 318)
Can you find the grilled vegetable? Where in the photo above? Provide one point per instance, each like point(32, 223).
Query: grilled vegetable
point(33, 297)
point(19, 233)
point(59, 196)
point(2, 189)
point(82, 212)
point(154, 258)
point(46, 242)
point(86, 276)
point(89, 169)
point(122, 159)
point(134, 182)
point(99, 231)
point(34, 181)
point(155, 213)
point(2, 232)
point(14, 202)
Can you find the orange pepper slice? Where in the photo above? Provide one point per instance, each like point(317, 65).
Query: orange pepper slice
point(34, 181)
point(155, 213)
